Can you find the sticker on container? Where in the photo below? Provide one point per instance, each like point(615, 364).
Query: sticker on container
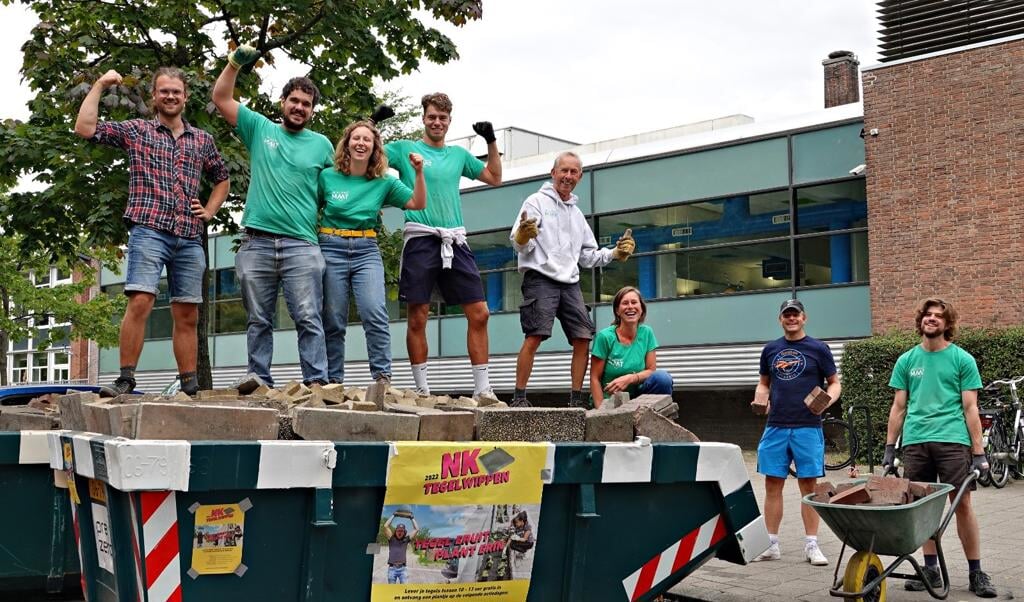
point(104, 545)
point(69, 468)
point(217, 539)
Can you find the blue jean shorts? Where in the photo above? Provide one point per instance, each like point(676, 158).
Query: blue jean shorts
point(150, 251)
point(802, 446)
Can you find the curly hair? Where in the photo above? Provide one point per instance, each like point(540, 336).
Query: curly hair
point(618, 300)
point(440, 101)
point(949, 314)
point(302, 84)
point(378, 162)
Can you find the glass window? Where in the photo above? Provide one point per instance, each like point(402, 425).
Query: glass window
point(19, 367)
point(733, 219)
point(835, 259)
point(283, 321)
point(43, 278)
point(229, 316)
point(226, 285)
point(63, 275)
point(40, 367)
point(159, 325)
point(493, 250)
point(836, 206)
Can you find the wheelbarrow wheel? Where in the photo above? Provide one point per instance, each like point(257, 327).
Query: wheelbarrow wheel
point(862, 569)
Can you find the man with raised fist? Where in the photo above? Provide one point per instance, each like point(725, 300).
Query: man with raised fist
point(279, 245)
point(435, 254)
point(552, 239)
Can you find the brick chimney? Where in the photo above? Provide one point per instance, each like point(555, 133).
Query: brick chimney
point(842, 78)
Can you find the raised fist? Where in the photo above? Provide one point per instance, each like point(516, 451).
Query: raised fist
point(416, 160)
point(109, 78)
point(486, 130)
point(242, 56)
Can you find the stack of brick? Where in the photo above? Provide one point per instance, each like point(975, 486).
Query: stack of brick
point(875, 491)
point(622, 419)
point(41, 413)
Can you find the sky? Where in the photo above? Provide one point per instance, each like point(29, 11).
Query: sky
point(591, 70)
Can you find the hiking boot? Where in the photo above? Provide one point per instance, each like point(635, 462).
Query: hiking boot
point(772, 553)
point(814, 555)
point(519, 402)
point(933, 576)
point(121, 386)
point(486, 397)
point(981, 584)
point(578, 399)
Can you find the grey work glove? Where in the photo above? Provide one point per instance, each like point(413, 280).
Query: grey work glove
point(980, 463)
point(889, 457)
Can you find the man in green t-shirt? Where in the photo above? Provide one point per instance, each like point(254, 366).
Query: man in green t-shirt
point(435, 253)
point(936, 408)
point(279, 247)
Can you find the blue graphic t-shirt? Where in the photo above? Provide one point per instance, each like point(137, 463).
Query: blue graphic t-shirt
point(795, 368)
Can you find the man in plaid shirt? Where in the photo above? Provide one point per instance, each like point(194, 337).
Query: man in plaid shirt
point(165, 218)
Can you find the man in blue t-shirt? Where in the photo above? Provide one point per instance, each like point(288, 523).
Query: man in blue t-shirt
point(791, 367)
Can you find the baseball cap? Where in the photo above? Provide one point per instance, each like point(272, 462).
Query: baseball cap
point(791, 304)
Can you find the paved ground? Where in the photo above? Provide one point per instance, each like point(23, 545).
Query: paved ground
point(1000, 512)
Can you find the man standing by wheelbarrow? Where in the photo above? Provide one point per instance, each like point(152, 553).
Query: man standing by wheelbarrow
point(792, 367)
point(936, 408)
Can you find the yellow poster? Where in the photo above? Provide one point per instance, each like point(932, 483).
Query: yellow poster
point(217, 540)
point(459, 521)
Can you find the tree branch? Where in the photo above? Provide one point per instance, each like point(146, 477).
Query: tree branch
point(298, 33)
point(226, 17)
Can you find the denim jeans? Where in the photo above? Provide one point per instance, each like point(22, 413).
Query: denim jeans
point(149, 251)
point(354, 266)
point(659, 382)
point(263, 265)
point(397, 574)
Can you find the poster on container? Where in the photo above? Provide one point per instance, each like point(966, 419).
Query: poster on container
point(460, 520)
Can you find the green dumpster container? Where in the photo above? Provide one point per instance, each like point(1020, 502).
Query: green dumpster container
point(38, 553)
point(282, 521)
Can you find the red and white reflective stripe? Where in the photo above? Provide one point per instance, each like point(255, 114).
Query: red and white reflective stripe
point(677, 555)
point(162, 566)
point(134, 504)
point(78, 543)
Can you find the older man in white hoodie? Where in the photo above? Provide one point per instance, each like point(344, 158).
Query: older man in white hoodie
point(552, 239)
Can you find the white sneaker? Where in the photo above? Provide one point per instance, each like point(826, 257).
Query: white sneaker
point(772, 553)
point(486, 398)
point(814, 555)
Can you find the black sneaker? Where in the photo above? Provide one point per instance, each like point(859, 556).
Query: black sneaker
point(981, 585)
point(579, 399)
point(933, 576)
point(121, 386)
point(519, 402)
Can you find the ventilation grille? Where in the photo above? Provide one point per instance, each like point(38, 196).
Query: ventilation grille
point(915, 27)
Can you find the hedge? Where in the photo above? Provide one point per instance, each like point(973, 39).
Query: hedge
point(867, 366)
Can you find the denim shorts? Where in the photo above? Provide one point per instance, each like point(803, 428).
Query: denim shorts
point(421, 272)
point(150, 251)
point(802, 446)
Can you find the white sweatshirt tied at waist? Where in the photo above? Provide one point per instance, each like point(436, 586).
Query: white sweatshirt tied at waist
point(447, 236)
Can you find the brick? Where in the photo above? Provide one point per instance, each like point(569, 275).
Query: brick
point(295, 389)
point(759, 406)
point(108, 418)
point(375, 393)
point(817, 400)
point(919, 490)
point(217, 394)
point(447, 426)
point(530, 424)
point(648, 423)
point(857, 494)
point(823, 492)
point(23, 418)
point(609, 425)
point(250, 383)
point(205, 422)
point(656, 402)
point(617, 399)
point(71, 409)
point(355, 426)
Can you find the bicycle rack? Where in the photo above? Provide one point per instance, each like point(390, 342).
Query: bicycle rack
point(870, 430)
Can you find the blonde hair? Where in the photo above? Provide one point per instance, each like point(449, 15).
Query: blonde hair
point(378, 162)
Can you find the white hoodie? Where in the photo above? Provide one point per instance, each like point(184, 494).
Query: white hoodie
point(565, 241)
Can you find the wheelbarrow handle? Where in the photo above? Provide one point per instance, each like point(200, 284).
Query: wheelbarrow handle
point(973, 476)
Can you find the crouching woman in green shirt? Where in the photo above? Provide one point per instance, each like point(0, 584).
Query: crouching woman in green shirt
point(623, 356)
point(352, 194)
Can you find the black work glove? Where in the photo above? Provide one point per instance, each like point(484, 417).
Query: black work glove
point(486, 130)
point(980, 463)
point(889, 457)
point(381, 113)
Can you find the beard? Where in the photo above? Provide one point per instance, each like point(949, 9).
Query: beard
point(168, 111)
point(291, 125)
point(933, 334)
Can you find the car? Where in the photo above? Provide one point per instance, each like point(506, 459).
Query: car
point(19, 395)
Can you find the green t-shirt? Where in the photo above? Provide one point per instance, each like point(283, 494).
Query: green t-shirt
point(622, 359)
point(284, 167)
point(934, 381)
point(442, 170)
point(352, 202)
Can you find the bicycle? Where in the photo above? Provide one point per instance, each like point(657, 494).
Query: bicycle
point(1003, 441)
point(841, 445)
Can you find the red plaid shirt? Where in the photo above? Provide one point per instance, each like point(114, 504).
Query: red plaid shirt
point(164, 172)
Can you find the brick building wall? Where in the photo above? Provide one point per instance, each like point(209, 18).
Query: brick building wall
point(945, 185)
point(84, 354)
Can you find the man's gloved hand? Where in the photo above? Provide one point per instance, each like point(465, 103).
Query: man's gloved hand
point(527, 229)
point(980, 463)
point(625, 246)
point(485, 129)
point(242, 56)
point(889, 457)
point(381, 113)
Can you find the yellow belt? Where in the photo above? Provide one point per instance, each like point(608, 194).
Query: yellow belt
point(349, 233)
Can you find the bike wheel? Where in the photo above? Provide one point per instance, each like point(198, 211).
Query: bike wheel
point(840, 444)
point(998, 470)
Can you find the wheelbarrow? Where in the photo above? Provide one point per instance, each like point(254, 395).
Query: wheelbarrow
point(898, 531)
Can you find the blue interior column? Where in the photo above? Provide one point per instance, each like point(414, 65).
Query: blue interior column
point(840, 253)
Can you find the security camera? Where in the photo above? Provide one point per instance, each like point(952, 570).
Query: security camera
point(859, 170)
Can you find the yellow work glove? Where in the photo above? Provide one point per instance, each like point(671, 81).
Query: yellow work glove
point(625, 246)
point(527, 229)
point(242, 56)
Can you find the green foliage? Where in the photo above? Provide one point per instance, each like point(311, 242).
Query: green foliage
point(868, 363)
point(24, 307)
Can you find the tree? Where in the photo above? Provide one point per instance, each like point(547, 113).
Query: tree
point(342, 45)
point(24, 308)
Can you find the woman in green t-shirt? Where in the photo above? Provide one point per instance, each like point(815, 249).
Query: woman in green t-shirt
point(352, 194)
point(623, 357)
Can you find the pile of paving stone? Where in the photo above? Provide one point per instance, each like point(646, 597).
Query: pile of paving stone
point(250, 410)
point(875, 491)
